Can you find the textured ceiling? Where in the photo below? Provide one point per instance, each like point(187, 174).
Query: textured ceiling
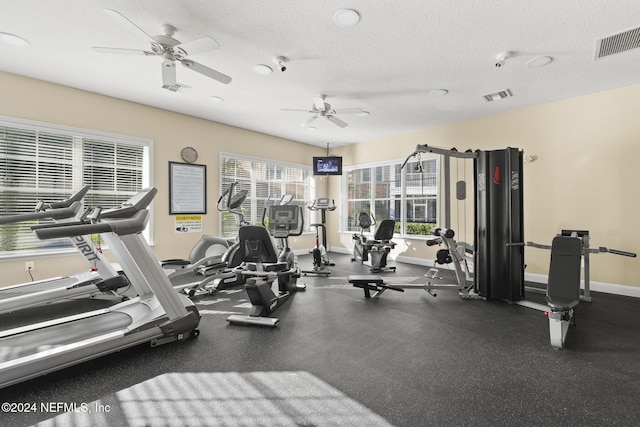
point(387, 64)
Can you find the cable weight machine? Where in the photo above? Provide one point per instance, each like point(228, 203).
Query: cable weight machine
point(498, 215)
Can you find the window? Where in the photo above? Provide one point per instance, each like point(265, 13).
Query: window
point(264, 180)
point(46, 162)
point(409, 196)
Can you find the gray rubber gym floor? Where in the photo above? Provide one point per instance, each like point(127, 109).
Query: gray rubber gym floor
point(405, 359)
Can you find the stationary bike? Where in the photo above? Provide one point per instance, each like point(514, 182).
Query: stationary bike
point(319, 252)
point(375, 250)
point(262, 264)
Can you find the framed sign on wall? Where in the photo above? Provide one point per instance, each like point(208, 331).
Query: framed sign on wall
point(187, 188)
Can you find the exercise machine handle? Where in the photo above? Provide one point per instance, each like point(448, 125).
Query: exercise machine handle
point(58, 213)
point(532, 244)
point(617, 252)
point(132, 225)
point(76, 197)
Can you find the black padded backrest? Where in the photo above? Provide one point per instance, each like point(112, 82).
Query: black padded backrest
point(256, 245)
point(385, 230)
point(364, 220)
point(563, 290)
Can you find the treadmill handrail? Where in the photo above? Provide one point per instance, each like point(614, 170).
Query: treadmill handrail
point(132, 225)
point(75, 197)
point(136, 203)
point(57, 213)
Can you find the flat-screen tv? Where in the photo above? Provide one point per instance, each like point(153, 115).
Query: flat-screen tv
point(327, 165)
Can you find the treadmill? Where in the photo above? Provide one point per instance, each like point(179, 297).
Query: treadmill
point(101, 280)
point(158, 314)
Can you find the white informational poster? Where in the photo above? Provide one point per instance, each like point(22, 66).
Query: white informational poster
point(187, 188)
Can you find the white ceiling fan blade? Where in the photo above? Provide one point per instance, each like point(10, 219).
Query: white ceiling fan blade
point(336, 121)
point(198, 45)
point(118, 50)
point(130, 23)
point(206, 71)
point(349, 111)
point(308, 121)
point(168, 74)
point(295, 109)
point(318, 103)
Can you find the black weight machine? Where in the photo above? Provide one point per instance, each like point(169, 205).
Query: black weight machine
point(319, 252)
point(498, 252)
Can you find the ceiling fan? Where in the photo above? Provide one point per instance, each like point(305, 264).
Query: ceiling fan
point(322, 109)
point(170, 50)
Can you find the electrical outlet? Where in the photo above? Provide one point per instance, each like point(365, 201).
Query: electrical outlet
point(29, 266)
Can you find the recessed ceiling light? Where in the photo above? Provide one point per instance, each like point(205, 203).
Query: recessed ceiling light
point(540, 61)
point(12, 39)
point(346, 17)
point(262, 69)
point(216, 99)
point(438, 92)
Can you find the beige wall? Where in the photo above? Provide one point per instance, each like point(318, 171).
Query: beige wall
point(36, 100)
point(585, 175)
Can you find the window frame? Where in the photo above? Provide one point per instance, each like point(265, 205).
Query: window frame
point(403, 200)
point(78, 134)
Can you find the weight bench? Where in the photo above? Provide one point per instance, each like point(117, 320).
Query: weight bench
point(372, 283)
point(563, 289)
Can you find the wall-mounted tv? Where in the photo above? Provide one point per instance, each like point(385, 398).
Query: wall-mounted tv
point(327, 165)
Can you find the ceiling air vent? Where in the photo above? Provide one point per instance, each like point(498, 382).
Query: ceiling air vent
point(496, 96)
point(176, 87)
point(617, 43)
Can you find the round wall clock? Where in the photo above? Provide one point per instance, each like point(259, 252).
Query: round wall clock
point(189, 154)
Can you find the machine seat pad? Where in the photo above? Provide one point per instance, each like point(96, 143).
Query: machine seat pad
point(562, 304)
point(175, 262)
point(563, 289)
point(360, 280)
point(276, 266)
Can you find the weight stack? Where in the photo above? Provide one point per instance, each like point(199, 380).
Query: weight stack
point(499, 269)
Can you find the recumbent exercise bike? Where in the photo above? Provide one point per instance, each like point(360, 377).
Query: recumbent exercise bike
point(262, 264)
point(374, 250)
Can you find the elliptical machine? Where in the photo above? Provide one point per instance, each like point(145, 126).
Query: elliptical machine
point(319, 252)
point(221, 254)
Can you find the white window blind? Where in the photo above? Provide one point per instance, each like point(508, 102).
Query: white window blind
point(43, 162)
point(263, 179)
